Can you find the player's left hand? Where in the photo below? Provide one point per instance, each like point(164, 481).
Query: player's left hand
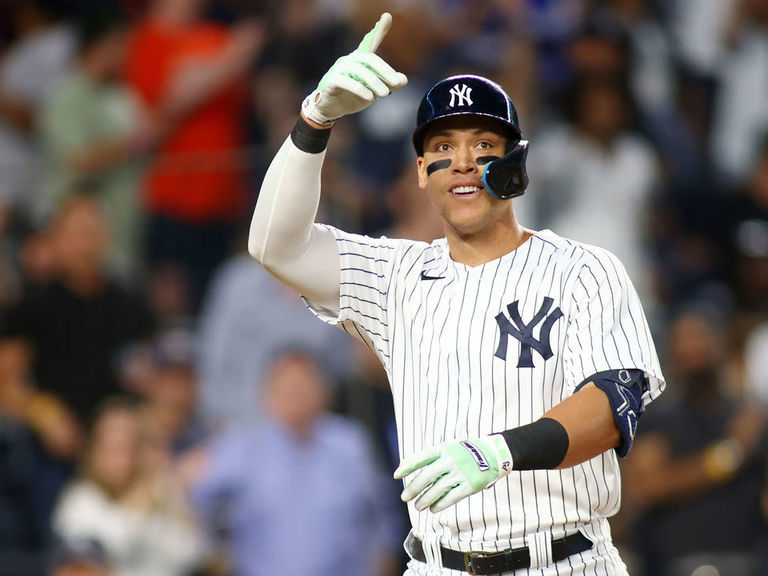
point(454, 470)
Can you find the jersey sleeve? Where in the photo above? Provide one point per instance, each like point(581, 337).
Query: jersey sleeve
point(367, 266)
point(607, 328)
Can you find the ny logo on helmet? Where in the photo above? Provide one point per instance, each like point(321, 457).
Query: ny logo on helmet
point(524, 332)
point(463, 93)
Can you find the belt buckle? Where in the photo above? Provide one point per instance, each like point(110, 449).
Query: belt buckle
point(469, 556)
point(468, 562)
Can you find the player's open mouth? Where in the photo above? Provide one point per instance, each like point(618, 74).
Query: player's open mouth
point(465, 190)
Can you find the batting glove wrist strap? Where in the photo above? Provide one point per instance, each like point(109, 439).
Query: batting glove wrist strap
point(354, 81)
point(447, 473)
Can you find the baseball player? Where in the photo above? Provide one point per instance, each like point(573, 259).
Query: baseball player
point(519, 361)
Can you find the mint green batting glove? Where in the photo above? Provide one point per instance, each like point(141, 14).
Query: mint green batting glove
point(354, 81)
point(454, 470)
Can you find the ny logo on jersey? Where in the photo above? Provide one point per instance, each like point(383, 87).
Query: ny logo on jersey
point(463, 93)
point(524, 332)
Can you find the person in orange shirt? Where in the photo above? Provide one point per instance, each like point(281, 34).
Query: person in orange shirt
point(192, 75)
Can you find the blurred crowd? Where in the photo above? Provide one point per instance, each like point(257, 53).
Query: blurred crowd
point(167, 408)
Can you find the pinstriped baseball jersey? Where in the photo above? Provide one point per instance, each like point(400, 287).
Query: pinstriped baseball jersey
point(475, 350)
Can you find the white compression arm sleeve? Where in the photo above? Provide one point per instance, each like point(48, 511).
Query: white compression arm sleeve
point(283, 236)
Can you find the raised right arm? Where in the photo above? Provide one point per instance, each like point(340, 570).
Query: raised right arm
point(283, 236)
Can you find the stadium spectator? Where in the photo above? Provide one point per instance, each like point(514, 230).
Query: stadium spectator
point(756, 364)
point(656, 90)
point(135, 510)
point(699, 31)
point(30, 475)
point(191, 75)
point(579, 169)
point(740, 119)
point(94, 131)
point(651, 73)
point(300, 490)
point(78, 324)
point(169, 409)
point(40, 54)
point(746, 237)
point(698, 466)
point(247, 317)
point(600, 48)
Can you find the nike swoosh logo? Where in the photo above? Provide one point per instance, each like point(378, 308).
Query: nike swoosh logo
point(427, 277)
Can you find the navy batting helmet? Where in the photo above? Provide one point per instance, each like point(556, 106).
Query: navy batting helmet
point(503, 177)
point(464, 94)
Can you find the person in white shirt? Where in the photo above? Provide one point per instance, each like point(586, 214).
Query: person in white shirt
point(136, 511)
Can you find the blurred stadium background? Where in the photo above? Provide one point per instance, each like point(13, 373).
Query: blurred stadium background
point(160, 394)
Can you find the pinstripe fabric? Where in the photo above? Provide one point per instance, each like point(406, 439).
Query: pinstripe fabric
point(436, 336)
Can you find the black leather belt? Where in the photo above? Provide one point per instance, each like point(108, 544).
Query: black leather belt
point(482, 563)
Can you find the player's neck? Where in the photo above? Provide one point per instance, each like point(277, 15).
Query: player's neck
point(477, 249)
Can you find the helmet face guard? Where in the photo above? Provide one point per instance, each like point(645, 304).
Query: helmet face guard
point(467, 94)
point(506, 177)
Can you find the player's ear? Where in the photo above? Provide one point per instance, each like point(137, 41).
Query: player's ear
point(422, 172)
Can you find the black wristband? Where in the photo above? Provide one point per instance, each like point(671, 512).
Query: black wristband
point(541, 445)
point(308, 138)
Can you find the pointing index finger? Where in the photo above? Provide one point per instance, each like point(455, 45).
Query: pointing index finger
point(372, 40)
